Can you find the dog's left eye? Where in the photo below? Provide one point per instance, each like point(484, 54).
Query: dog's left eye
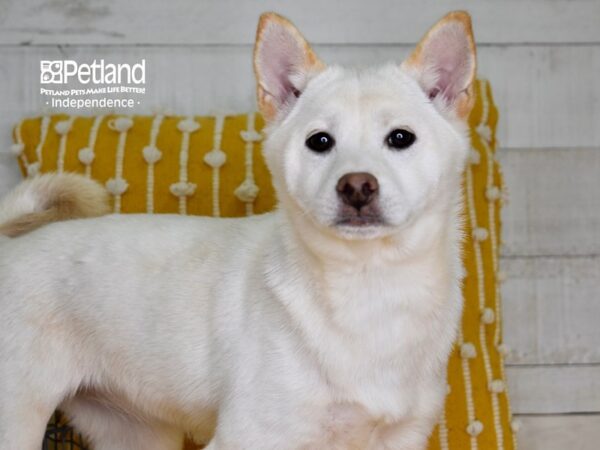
point(320, 142)
point(400, 139)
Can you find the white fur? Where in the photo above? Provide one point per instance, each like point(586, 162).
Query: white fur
point(290, 332)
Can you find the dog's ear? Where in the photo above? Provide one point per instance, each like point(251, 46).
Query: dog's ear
point(444, 63)
point(283, 64)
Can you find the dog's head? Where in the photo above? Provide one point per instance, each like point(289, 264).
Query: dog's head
point(361, 153)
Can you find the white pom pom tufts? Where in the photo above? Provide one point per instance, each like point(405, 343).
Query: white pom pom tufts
point(151, 154)
point(496, 386)
point(474, 157)
point(503, 349)
point(488, 316)
point(468, 351)
point(117, 186)
point(493, 193)
point(484, 131)
point(480, 234)
point(62, 127)
point(17, 149)
point(86, 156)
point(182, 189)
point(120, 124)
point(475, 428)
point(251, 136)
point(215, 158)
point(516, 425)
point(247, 191)
point(33, 169)
point(188, 125)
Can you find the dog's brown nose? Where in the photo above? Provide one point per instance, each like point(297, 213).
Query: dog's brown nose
point(357, 189)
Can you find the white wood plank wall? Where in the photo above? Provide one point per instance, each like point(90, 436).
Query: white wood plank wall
point(543, 59)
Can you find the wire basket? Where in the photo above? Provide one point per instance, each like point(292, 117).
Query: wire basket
point(61, 436)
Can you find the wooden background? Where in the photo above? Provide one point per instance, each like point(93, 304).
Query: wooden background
point(543, 59)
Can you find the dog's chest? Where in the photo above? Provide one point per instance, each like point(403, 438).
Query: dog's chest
point(386, 312)
point(386, 335)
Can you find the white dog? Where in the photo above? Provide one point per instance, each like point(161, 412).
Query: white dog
point(324, 325)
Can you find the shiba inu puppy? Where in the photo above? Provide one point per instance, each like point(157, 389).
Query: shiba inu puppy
point(326, 324)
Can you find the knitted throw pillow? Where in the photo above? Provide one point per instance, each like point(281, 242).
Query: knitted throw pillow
point(213, 166)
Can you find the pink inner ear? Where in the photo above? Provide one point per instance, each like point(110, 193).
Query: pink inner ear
point(447, 56)
point(280, 57)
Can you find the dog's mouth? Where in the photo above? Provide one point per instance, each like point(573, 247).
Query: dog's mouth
point(367, 216)
point(359, 221)
point(360, 225)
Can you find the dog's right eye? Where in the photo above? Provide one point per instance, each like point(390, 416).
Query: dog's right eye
point(400, 139)
point(320, 142)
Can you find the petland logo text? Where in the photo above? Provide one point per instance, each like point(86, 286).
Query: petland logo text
point(67, 84)
point(98, 72)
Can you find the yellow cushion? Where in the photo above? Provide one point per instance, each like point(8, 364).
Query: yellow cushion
point(189, 179)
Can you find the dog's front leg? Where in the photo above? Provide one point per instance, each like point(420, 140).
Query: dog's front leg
point(411, 434)
point(242, 438)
